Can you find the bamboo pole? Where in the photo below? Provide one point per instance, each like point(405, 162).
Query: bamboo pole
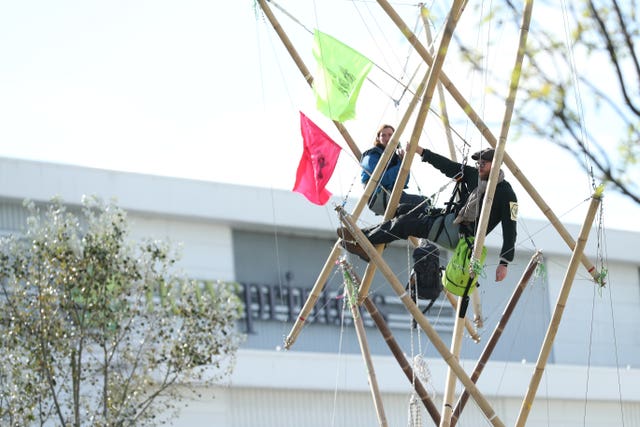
point(434, 72)
point(305, 71)
point(352, 296)
point(500, 149)
point(491, 139)
point(497, 333)
point(432, 80)
point(473, 333)
point(444, 116)
point(313, 297)
point(456, 344)
point(424, 323)
point(436, 68)
point(393, 202)
point(401, 359)
point(559, 309)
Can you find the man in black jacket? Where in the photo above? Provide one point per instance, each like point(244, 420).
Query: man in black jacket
point(418, 223)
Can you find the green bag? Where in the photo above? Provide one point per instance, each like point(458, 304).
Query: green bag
point(456, 274)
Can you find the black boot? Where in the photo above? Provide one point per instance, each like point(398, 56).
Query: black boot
point(349, 243)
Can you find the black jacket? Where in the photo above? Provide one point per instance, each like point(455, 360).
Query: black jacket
point(504, 208)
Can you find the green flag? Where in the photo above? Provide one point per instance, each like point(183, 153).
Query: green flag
point(341, 72)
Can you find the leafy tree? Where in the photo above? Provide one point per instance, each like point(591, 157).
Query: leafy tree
point(99, 331)
point(579, 85)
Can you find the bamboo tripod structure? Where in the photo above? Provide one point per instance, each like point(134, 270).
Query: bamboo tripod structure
point(473, 116)
point(435, 77)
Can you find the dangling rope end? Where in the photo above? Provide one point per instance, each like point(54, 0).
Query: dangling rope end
point(477, 320)
point(600, 280)
point(476, 268)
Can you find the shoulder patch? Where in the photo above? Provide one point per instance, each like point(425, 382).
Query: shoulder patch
point(513, 208)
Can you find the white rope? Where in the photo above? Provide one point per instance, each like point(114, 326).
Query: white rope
point(415, 411)
point(341, 340)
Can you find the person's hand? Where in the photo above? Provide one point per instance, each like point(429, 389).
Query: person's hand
point(501, 272)
point(419, 150)
point(400, 152)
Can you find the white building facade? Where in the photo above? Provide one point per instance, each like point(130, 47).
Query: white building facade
point(275, 243)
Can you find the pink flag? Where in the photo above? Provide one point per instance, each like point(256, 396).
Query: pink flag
point(318, 161)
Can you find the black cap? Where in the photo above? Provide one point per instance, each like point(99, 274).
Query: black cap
point(486, 154)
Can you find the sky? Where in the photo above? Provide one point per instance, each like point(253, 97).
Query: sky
point(205, 90)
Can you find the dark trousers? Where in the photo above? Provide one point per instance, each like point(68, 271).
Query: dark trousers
point(414, 223)
point(378, 203)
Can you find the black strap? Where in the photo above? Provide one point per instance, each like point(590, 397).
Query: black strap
point(414, 324)
point(462, 192)
point(465, 296)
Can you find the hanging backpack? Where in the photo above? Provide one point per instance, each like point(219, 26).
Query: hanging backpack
point(456, 274)
point(425, 281)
